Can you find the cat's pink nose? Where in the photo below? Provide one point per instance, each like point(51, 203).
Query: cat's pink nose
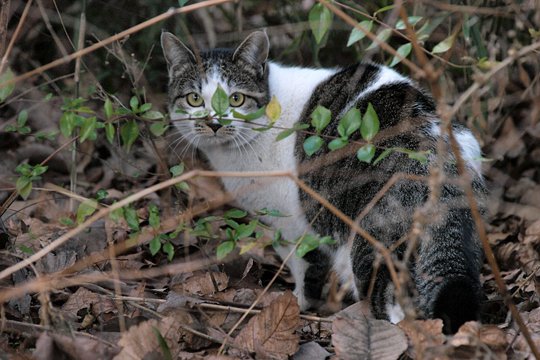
point(214, 126)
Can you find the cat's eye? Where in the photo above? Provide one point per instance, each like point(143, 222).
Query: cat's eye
point(236, 99)
point(194, 99)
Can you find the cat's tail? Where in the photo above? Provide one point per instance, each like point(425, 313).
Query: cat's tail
point(447, 270)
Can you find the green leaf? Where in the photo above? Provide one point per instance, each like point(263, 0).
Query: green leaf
point(109, 132)
point(155, 245)
point(23, 186)
point(308, 243)
point(66, 221)
point(24, 169)
point(337, 144)
point(67, 124)
point(153, 216)
point(181, 3)
point(404, 50)
point(25, 249)
point(384, 9)
point(320, 19)
point(327, 240)
point(130, 214)
point(320, 118)
point(38, 170)
point(244, 231)
point(271, 212)
point(421, 156)
point(101, 194)
point(383, 155)
point(220, 101)
point(6, 90)
point(284, 134)
point(413, 20)
point(177, 170)
point(24, 130)
point(366, 153)
point(233, 224)
point(108, 108)
point(444, 45)
point(251, 116)
point(273, 110)
point(224, 249)
point(312, 144)
point(350, 122)
point(182, 186)
point(382, 36)
point(134, 104)
point(10, 128)
point(235, 214)
point(85, 209)
point(22, 117)
point(370, 123)
point(129, 132)
point(158, 128)
point(168, 249)
point(88, 129)
point(152, 115)
point(165, 350)
point(145, 107)
point(357, 34)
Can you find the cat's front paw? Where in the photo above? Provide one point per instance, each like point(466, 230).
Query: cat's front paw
point(303, 302)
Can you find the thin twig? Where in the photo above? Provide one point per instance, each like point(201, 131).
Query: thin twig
point(13, 38)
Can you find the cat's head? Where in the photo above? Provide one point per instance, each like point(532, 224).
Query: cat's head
point(195, 76)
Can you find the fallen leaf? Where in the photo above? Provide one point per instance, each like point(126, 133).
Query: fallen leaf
point(311, 351)
point(50, 346)
point(359, 337)
point(206, 283)
point(422, 335)
point(271, 333)
point(84, 298)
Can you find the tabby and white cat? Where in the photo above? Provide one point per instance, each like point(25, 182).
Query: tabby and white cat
point(445, 267)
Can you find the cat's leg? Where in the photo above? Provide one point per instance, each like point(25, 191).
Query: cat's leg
point(298, 268)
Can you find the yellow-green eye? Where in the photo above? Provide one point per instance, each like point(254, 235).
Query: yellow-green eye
point(236, 99)
point(194, 99)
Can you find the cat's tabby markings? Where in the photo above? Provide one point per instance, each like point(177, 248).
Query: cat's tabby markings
point(445, 265)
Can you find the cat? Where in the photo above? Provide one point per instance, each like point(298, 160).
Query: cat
point(446, 265)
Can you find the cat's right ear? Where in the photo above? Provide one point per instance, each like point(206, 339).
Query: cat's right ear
point(254, 49)
point(174, 50)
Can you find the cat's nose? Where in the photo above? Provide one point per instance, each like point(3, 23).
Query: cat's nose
point(214, 126)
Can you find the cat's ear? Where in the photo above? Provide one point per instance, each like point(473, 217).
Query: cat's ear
point(254, 49)
point(174, 50)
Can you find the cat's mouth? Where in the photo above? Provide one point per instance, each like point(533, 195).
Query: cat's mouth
point(212, 134)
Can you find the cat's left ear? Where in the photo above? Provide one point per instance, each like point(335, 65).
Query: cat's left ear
point(254, 50)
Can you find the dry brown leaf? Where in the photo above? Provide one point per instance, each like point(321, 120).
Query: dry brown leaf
point(84, 298)
point(141, 341)
point(271, 333)
point(422, 335)
point(359, 337)
point(52, 346)
point(206, 283)
point(311, 351)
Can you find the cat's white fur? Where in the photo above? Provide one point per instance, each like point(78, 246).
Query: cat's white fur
point(293, 87)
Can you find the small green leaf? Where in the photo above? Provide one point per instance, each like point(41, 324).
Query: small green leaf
point(134, 104)
point(25, 249)
point(109, 132)
point(308, 243)
point(177, 170)
point(66, 221)
point(383, 155)
point(48, 97)
point(129, 132)
point(10, 128)
point(244, 231)
point(273, 110)
point(181, 3)
point(158, 128)
point(116, 214)
point(38, 170)
point(312, 144)
point(168, 249)
point(384, 9)
point(233, 224)
point(130, 214)
point(404, 50)
point(320, 19)
point(155, 245)
point(220, 101)
point(153, 216)
point(349, 123)
point(251, 116)
point(145, 107)
point(366, 153)
point(101, 194)
point(6, 90)
point(337, 144)
point(85, 209)
point(327, 240)
point(320, 118)
point(357, 34)
point(67, 124)
point(284, 134)
point(23, 186)
point(370, 123)
point(444, 45)
point(24, 130)
point(108, 108)
point(235, 214)
point(412, 20)
point(88, 129)
point(152, 115)
point(224, 249)
point(382, 37)
point(21, 119)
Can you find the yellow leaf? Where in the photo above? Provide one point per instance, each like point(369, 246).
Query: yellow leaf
point(273, 110)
